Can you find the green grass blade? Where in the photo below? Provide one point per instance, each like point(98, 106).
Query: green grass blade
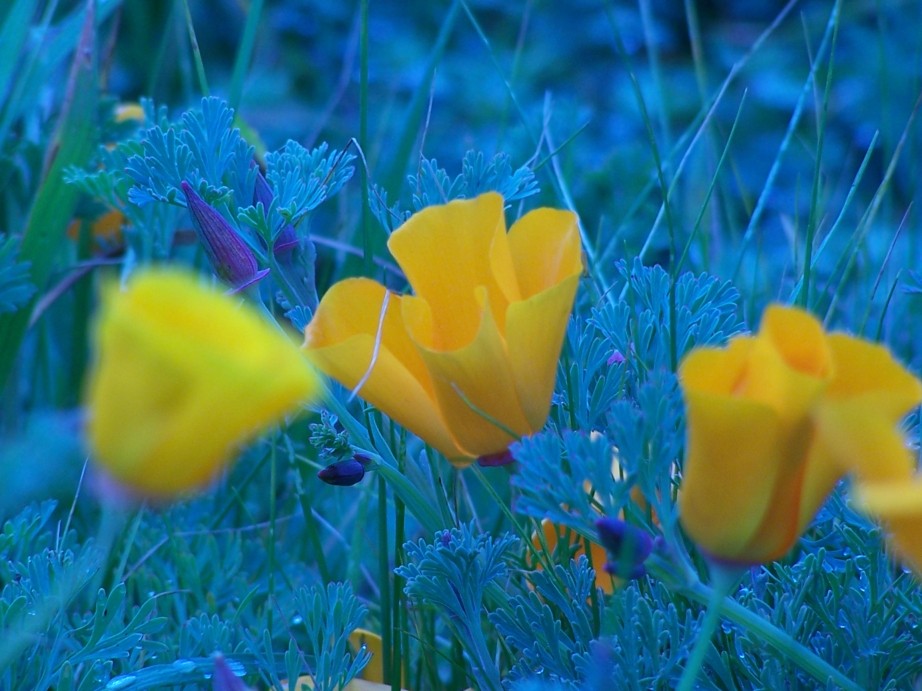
point(55, 201)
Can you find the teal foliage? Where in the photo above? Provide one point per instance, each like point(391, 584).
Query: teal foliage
point(433, 185)
point(453, 574)
point(15, 285)
point(552, 627)
point(330, 614)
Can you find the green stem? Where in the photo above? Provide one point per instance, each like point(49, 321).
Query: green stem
point(196, 52)
point(724, 583)
point(384, 578)
point(271, 546)
point(367, 245)
point(245, 52)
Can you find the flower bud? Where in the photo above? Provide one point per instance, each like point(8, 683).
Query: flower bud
point(628, 547)
point(232, 260)
point(344, 473)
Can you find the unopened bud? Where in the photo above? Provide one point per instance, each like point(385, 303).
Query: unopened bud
point(627, 546)
point(345, 473)
point(230, 256)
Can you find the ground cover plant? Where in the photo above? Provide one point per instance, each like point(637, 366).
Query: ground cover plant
point(460, 345)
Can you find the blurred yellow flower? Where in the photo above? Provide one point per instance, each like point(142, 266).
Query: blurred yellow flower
point(898, 504)
point(774, 421)
point(183, 375)
point(480, 337)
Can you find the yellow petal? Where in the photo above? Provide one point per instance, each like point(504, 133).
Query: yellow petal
point(899, 505)
point(732, 465)
point(444, 251)
point(864, 441)
point(798, 336)
point(771, 379)
point(869, 372)
point(184, 374)
point(545, 248)
point(341, 342)
point(716, 370)
point(479, 372)
point(535, 329)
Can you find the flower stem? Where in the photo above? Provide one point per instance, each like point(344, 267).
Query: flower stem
point(723, 583)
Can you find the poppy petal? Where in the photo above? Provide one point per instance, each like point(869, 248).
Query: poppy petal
point(479, 372)
point(535, 329)
point(873, 376)
point(443, 251)
point(341, 342)
point(732, 465)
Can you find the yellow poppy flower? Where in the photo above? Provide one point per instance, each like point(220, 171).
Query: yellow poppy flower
point(479, 340)
point(184, 375)
point(898, 504)
point(774, 421)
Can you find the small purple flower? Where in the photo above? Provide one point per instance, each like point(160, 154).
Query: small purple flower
point(345, 473)
point(628, 547)
point(231, 258)
point(616, 358)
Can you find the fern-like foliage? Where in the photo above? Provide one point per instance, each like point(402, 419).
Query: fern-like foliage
point(638, 326)
point(550, 627)
point(329, 615)
point(433, 185)
point(452, 574)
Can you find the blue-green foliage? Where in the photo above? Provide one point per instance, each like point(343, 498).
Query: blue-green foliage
point(329, 615)
point(15, 285)
point(551, 627)
point(203, 147)
point(433, 185)
point(638, 324)
point(41, 581)
point(551, 474)
point(303, 179)
point(647, 638)
point(452, 574)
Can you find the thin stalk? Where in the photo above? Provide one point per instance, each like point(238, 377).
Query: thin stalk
point(384, 578)
point(367, 245)
point(815, 192)
point(196, 52)
point(271, 546)
point(245, 52)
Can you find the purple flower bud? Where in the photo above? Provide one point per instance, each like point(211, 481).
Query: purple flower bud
point(344, 473)
point(491, 460)
point(232, 260)
point(287, 240)
point(627, 546)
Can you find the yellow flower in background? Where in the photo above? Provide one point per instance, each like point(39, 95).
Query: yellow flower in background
point(559, 538)
point(183, 376)
point(479, 338)
point(774, 421)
